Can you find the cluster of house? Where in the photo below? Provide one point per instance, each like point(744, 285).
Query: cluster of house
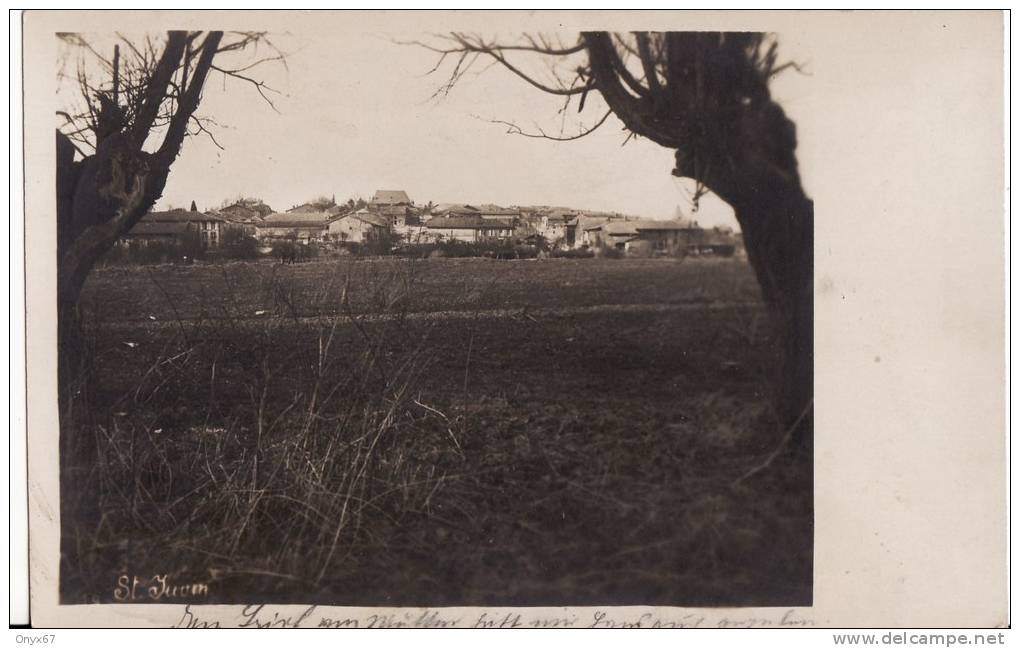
point(391, 215)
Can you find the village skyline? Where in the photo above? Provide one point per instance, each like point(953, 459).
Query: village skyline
point(680, 211)
point(391, 222)
point(335, 129)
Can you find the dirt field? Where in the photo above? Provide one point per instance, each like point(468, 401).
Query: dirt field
point(239, 290)
point(438, 432)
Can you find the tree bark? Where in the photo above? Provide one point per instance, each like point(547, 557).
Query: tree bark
point(746, 155)
point(104, 195)
point(761, 182)
point(778, 236)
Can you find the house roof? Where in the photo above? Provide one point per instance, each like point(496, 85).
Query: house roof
point(179, 216)
point(364, 216)
point(490, 209)
point(390, 210)
point(469, 222)
point(443, 208)
point(303, 225)
point(464, 209)
point(313, 206)
point(247, 207)
point(488, 215)
point(588, 223)
point(620, 228)
point(560, 218)
point(372, 219)
point(648, 224)
point(143, 228)
point(559, 213)
point(390, 197)
point(240, 215)
point(295, 219)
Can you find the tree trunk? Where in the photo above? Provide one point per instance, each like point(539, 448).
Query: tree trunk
point(102, 196)
point(758, 177)
point(71, 355)
point(730, 137)
point(98, 199)
point(778, 228)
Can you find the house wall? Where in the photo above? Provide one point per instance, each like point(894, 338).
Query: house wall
point(661, 242)
point(639, 248)
point(145, 240)
point(248, 229)
point(452, 233)
point(592, 238)
point(351, 229)
point(554, 231)
point(571, 238)
point(618, 241)
point(210, 233)
point(413, 233)
point(291, 233)
point(469, 235)
point(495, 232)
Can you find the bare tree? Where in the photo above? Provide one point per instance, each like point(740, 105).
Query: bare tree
point(116, 148)
point(705, 95)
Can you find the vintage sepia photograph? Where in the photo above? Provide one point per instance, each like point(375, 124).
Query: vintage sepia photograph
point(513, 319)
point(312, 350)
point(433, 319)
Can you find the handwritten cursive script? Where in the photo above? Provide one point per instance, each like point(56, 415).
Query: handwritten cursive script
point(158, 587)
point(262, 616)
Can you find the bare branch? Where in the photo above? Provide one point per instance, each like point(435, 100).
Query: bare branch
point(202, 129)
point(636, 113)
point(514, 129)
point(621, 69)
point(177, 128)
point(465, 45)
point(156, 91)
point(789, 64)
point(648, 62)
point(260, 86)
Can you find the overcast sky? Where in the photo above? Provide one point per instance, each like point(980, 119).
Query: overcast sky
point(356, 114)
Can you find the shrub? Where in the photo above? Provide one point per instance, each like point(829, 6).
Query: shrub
point(577, 253)
point(237, 244)
point(491, 248)
point(292, 252)
point(527, 251)
point(152, 252)
point(415, 250)
point(308, 251)
point(380, 244)
point(461, 249)
point(191, 246)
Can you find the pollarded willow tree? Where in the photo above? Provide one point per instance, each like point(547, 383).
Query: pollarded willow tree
point(136, 103)
point(133, 104)
point(706, 96)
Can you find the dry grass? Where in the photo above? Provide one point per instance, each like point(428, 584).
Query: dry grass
point(561, 459)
